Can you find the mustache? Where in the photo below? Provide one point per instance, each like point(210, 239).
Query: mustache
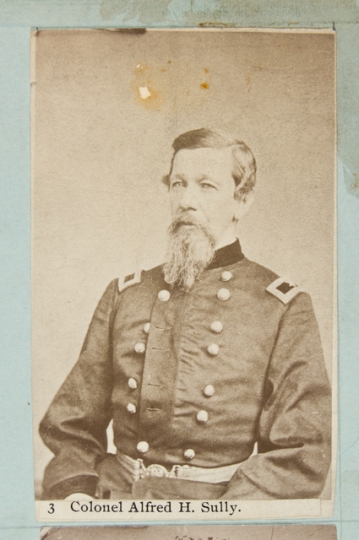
point(183, 219)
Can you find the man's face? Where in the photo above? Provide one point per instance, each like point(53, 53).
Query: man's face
point(202, 189)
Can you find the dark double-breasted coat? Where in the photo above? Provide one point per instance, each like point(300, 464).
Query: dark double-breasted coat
point(196, 378)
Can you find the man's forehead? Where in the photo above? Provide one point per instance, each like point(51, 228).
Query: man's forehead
point(203, 159)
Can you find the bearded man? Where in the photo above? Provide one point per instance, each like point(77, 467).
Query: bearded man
point(210, 366)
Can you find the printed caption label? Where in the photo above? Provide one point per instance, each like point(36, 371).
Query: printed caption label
point(145, 511)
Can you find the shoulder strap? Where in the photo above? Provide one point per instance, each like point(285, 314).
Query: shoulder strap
point(129, 281)
point(283, 289)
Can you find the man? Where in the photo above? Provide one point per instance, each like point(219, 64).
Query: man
point(197, 362)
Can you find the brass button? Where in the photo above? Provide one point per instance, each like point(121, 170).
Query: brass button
point(132, 383)
point(226, 275)
point(223, 294)
point(146, 328)
point(213, 349)
point(131, 408)
point(202, 417)
point(164, 295)
point(208, 390)
point(140, 348)
point(142, 447)
point(217, 327)
point(189, 453)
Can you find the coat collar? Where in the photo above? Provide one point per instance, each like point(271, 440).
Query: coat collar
point(227, 255)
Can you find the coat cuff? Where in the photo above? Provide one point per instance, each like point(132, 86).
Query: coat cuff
point(78, 484)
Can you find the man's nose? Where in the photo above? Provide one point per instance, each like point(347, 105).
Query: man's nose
point(189, 199)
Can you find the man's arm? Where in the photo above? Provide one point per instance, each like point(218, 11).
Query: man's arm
point(294, 429)
point(74, 427)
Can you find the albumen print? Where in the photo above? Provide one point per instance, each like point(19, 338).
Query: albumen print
point(190, 175)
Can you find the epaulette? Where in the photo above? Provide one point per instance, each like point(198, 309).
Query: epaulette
point(128, 281)
point(283, 289)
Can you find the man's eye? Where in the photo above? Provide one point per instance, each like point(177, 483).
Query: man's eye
point(205, 185)
point(177, 184)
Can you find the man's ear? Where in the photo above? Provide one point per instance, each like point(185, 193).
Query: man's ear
point(243, 204)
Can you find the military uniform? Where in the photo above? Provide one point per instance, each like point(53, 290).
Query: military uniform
point(192, 380)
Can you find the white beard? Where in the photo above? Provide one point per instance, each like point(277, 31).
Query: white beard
point(189, 251)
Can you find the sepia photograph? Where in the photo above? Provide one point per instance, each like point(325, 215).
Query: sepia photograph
point(183, 267)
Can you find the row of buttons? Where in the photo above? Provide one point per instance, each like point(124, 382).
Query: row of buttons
point(208, 390)
point(143, 447)
point(216, 326)
point(222, 294)
point(213, 349)
point(140, 348)
point(202, 416)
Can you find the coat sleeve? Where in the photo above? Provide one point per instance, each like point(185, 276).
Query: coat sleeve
point(74, 427)
point(294, 428)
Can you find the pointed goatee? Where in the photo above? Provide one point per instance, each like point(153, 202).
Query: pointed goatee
point(190, 250)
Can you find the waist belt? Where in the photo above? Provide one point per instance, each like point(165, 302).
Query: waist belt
point(134, 469)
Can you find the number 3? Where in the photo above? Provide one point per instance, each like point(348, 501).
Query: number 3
point(52, 508)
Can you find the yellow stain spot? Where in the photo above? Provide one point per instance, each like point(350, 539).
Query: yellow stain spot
point(150, 98)
point(204, 85)
point(206, 70)
point(149, 85)
point(144, 92)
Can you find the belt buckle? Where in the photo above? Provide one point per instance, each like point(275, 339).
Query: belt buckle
point(158, 471)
